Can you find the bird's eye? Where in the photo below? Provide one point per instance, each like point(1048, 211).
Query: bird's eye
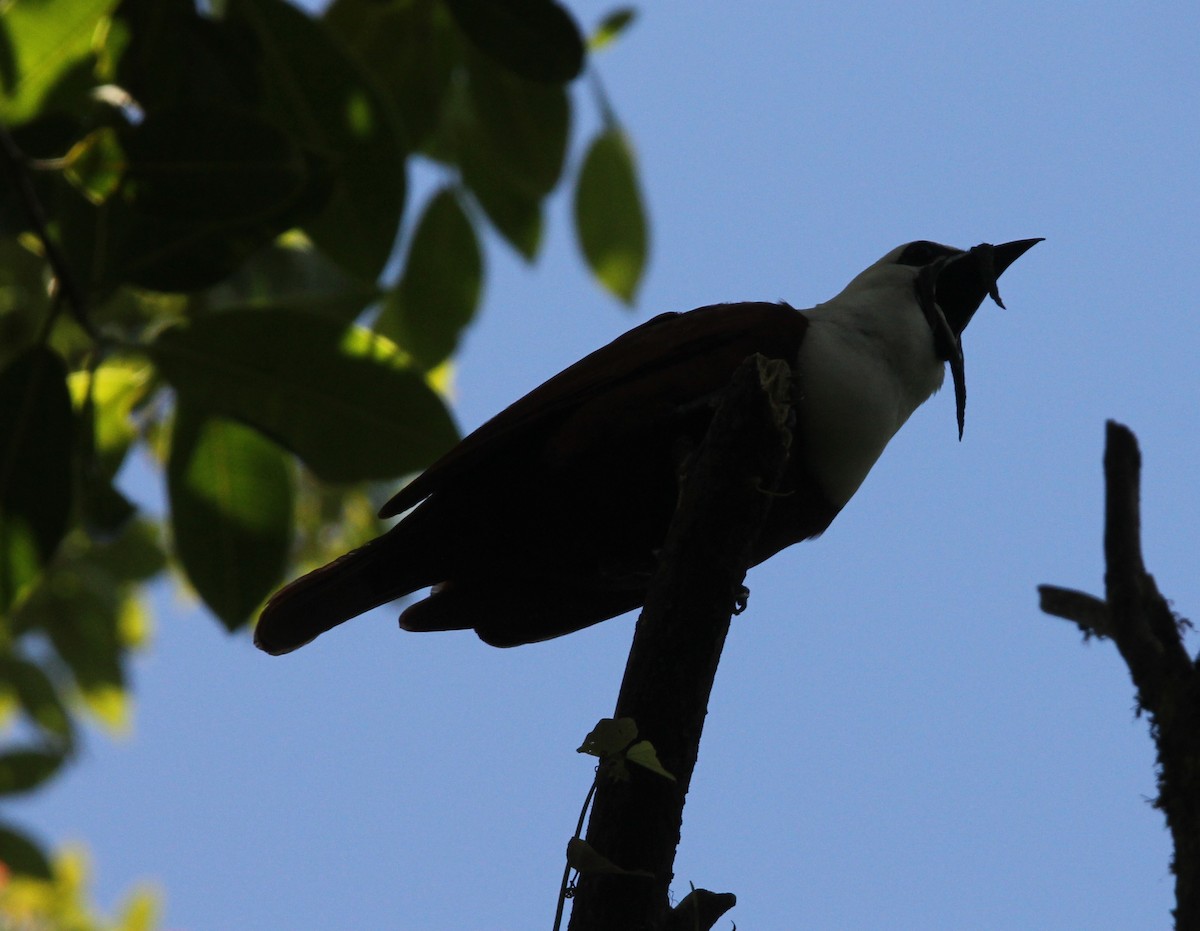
point(922, 252)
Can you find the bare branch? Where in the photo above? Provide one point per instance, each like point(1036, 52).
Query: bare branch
point(677, 645)
point(1087, 611)
point(1141, 623)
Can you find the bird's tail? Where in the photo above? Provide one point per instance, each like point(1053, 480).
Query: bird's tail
point(374, 574)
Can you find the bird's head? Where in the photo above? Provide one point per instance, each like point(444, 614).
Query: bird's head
point(949, 285)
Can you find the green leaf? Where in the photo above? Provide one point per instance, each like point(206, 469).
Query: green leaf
point(23, 299)
point(135, 556)
point(534, 39)
point(409, 48)
point(509, 137)
point(112, 390)
point(104, 402)
point(611, 27)
point(347, 402)
point(88, 612)
point(142, 912)
point(22, 855)
point(36, 436)
point(168, 55)
point(291, 274)
point(317, 93)
point(44, 137)
point(583, 858)
point(22, 770)
point(643, 754)
point(519, 128)
point(37, 696)
point(95, 164)
point(439, 291)
point(39, 43)
point(202, 163)
point(203, 189)
point(609, 737)
point(609, 218)
point(515, 213)
point(231, 511)
point(81, 615)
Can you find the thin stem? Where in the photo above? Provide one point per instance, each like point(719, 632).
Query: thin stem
point(562, 890)
point(17, 165)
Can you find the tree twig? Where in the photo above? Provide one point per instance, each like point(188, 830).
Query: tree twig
point(1139, 620)
point(1087, 611)
point(723, 504)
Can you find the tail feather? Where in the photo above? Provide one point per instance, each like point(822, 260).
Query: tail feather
point(372, 575)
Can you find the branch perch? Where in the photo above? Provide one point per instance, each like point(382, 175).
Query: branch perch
point(1139, 620)
point(724, 500)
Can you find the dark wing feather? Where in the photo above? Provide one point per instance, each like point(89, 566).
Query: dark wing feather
point(673, 350)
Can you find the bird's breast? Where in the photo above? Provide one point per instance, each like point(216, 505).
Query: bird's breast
point(856, 389)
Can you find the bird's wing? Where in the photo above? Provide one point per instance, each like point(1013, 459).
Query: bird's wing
point(672, 357)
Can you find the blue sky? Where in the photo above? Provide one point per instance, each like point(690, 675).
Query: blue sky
point(897, 737)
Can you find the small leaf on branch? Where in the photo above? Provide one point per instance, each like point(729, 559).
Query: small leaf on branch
point(611, 27)
point(582, 858)
point(609, 737)
point(643, 754)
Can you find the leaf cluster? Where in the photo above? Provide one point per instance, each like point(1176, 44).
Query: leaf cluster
point(614, 742)
point(61, 901)
point(201, 275)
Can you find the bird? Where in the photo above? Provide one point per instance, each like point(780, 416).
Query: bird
point(550, 516)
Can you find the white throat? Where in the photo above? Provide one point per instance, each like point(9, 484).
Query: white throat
point(866, 363)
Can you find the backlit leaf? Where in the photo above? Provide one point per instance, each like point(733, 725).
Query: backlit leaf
point(202, 163)
point(290, 273)
point(644, 755)
point(37, 697)
point(520, 126)
point(509, 137)
point(95, 164)
point(41, 42)
point(515, 213)
point(36, 426)
point(535, 39)
point(317, 93)
point(231, 511)
point(439, 291)
point(611, 27)
point(88, 612)
point(349, 403)
point(583, 858)
point(409, 48)
point(203, 189)
point(609, 218)
point(104, 402)
point(22, 770)
point(609, 737)
point(168, 54)
point(22, 855)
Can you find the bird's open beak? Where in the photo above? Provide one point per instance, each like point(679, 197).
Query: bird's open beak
point(951, 290)
point(965, 280)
